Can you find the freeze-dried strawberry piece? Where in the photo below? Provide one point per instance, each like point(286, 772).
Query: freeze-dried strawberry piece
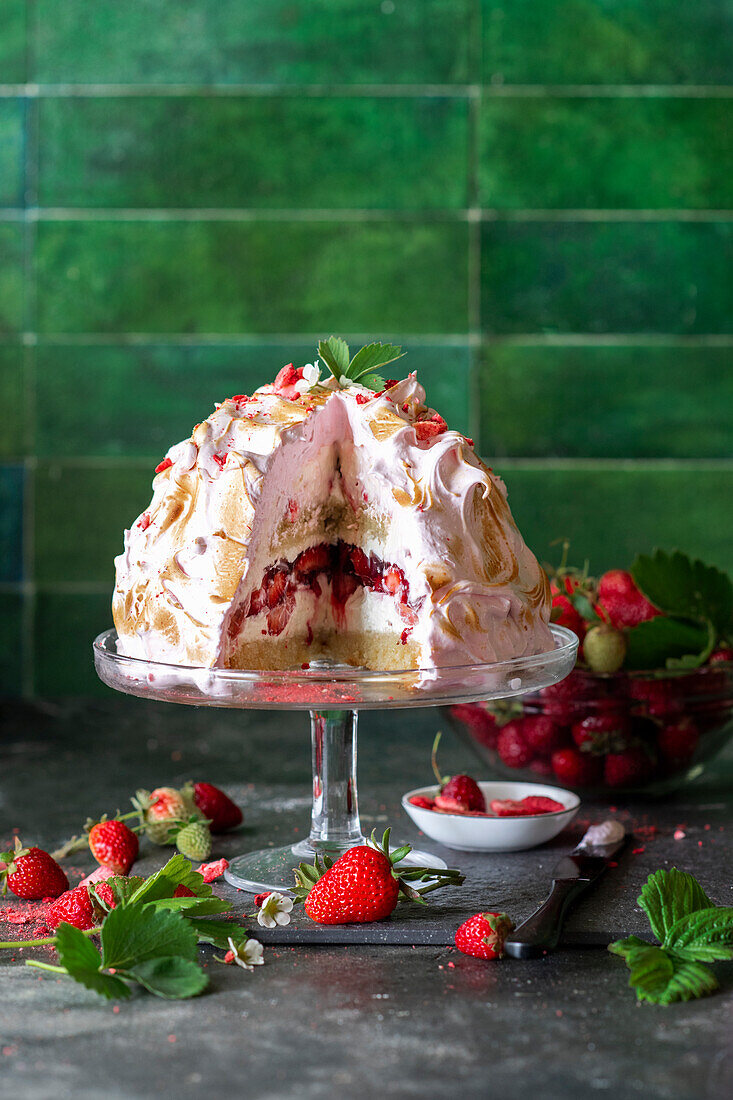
point(426, 429)
point(163, 465)
point(530, 806)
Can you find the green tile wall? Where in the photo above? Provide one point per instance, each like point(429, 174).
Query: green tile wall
point(249, 277)
point(536, 199)
point(405, 154)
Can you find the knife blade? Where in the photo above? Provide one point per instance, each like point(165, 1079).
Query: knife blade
point(571, 876)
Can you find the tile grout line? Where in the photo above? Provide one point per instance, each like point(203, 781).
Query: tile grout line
point(201, 89)
point(285, 339)
point(470, 214)
point(474, 233)
point(30, 199)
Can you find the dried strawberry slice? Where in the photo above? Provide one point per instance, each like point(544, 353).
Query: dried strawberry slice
point(525, 807)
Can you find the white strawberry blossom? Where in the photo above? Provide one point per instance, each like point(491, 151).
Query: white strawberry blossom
point(275, 909)
point(248, 955)
point(311, 377)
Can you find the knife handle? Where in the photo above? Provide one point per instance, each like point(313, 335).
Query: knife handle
point(541, 931)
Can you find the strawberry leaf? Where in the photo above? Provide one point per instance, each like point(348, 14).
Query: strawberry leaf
point(217, 932)
point(667, 896)
point(83, 962)
point(131, 935)
point(371, 358)
point(681, 586)
point(335, 354)
point(170, 976)
point(373, 382)
point(660, 977)
point(176, 872)
point(703, 936)
point(662, 641)
point(123, 888)
point(689, 980)
point(199, 907)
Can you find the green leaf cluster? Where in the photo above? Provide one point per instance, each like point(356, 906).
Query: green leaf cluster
point(150, 937)
point(691, 931)
point(697, 601)
point(365, 364)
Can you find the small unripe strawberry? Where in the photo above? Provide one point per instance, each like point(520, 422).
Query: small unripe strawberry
point(604, 648)
point(194, 841)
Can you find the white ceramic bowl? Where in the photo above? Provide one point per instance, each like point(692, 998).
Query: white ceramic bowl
point(494, 834)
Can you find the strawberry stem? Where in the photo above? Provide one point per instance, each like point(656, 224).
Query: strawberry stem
point(42, 942)
point(46, 966)
point(442, 780)
point(74, 845)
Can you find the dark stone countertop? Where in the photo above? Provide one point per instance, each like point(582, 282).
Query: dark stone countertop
point(369, 1020)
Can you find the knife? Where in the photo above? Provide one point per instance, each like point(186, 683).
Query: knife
point(571, 876)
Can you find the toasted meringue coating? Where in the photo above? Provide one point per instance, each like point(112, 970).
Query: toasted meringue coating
point(266, 476)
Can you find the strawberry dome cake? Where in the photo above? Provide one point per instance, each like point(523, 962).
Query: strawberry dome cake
point(333, 517)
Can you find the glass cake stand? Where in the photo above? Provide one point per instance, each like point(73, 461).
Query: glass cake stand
point(334, 695)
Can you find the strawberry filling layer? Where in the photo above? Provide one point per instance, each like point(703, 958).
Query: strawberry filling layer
point(346, 568)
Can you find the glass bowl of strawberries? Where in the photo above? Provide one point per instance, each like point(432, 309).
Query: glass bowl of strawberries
point(650, 701)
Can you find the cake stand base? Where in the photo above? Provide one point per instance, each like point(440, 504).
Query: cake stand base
point(272, 868)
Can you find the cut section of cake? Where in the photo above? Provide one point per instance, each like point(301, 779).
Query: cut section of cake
point(322, 518)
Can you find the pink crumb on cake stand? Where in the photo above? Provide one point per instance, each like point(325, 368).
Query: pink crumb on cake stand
point(333, 694)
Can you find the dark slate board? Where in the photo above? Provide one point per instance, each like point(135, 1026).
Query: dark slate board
point(518, 882)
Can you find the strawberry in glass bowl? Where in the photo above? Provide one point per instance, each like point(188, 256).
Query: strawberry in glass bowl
point(650, 701)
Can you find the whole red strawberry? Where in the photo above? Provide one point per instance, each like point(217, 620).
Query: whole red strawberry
point(74, 907)
point(483, 935)
point(458, 794)
point(599, 733)
point(113, 845)
point(622, 602)
point(359, 887)
point(512, 745)
point(362, 885)
point(659, 697)
point(564, 614)
point(32, 873)
point(574, 768)
point(481, 724)
point(565, 700)
point(543, 734)
point(677, 742)
point(217, 807)
point(628, 768)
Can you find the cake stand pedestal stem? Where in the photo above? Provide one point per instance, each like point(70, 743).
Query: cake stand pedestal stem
point(335, 823)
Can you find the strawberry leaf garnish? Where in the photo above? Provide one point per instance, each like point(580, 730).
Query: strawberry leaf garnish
point(363, 367)
point(691, 931)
